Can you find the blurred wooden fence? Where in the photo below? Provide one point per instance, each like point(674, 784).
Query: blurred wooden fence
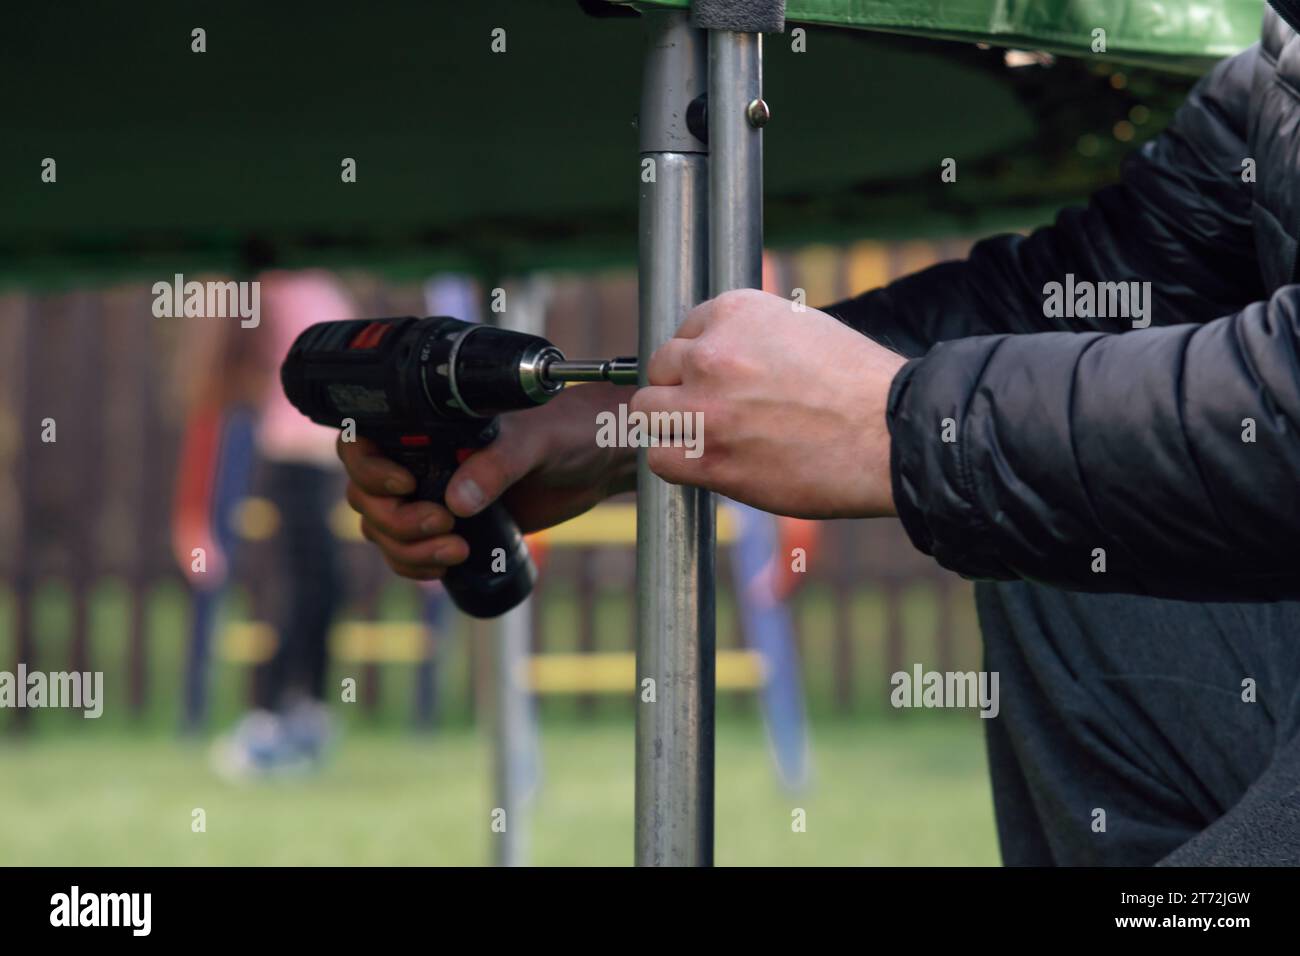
point(95, 502)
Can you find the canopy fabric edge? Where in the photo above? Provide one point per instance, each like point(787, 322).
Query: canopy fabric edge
point(1137, 31)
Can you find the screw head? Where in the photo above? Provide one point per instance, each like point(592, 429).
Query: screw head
point(757, 113)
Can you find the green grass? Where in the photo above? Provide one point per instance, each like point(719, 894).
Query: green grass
point(910, 790)
point(889, 787)
point(168, 633)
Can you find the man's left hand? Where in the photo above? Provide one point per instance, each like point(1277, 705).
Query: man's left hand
point(792, 405)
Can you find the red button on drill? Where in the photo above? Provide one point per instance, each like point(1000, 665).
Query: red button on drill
point(370, 336)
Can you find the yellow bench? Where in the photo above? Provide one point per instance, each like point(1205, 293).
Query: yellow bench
point(256, 519)
point(407, 642)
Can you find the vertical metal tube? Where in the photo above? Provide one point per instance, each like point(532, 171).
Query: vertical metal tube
point(516, 755)
point(736, 117)
point(512, 735)
point(675, 533)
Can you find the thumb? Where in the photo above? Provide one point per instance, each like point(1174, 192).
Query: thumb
point(487, 474)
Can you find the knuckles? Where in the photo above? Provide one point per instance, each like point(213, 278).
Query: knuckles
point(737, 303)
point(637, 403)
point(706, 358)
point(667, 466)
point(671, 464)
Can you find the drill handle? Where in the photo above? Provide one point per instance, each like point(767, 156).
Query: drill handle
point(432, 471)
point(499, 572)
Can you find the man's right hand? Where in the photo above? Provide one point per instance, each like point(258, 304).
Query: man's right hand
point(544, 464)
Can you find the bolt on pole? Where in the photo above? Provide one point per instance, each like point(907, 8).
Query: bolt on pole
point(675, 525)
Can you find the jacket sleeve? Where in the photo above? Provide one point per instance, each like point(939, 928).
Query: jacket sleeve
point(1179, 219)
point(1163, 462)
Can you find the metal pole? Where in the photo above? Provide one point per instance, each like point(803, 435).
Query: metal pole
point(515, 736)
point(675, 532)
point(737, 115)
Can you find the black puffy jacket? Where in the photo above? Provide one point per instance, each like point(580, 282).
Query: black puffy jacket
point(1074, 434)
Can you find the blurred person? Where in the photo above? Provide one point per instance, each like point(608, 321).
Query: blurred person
point(220, 386)
point(1124, 493)
point(763, 579)
point(289, 727)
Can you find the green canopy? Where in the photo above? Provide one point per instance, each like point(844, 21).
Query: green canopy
point(167, 158)
point(1182, 34)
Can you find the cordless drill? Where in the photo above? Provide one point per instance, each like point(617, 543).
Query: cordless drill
point(427, 392)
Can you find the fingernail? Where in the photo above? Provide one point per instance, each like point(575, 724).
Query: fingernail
point(470, 496)
point(444, 554)
point(395, 484)
point(434, 524)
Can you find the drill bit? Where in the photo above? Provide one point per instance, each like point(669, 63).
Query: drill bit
point(620, 371)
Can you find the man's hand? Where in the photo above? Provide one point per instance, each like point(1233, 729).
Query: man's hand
point(793, 407)
point(545, 463)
